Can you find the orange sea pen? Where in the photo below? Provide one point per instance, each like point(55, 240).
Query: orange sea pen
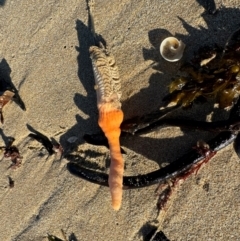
point(110, 115)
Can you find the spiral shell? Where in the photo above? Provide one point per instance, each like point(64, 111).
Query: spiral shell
point(172, 49)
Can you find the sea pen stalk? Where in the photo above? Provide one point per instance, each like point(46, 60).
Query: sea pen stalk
point(110, 120)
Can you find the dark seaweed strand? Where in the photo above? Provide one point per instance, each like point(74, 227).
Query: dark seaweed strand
point(98, 139)
point(87, 174)
point(232, 124)
point(216, 126)
point(174, 169)
point(155, 120)
point(141, 122)
point(43, 140)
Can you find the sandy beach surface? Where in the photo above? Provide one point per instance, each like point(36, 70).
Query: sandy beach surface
point(44, 53)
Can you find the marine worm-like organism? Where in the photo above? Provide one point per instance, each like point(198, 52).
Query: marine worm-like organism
point(107, 85)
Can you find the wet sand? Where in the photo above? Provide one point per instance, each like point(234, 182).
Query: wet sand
point(44, 50)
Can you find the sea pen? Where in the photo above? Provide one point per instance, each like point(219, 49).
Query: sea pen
point(107, 85)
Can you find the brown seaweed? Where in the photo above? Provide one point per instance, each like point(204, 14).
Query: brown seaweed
point(213, 73)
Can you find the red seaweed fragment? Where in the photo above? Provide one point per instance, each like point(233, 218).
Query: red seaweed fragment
point(5, 97)
point(8, 92)
point(12, 152)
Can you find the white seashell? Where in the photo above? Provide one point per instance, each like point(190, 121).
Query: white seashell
point(172, 49)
